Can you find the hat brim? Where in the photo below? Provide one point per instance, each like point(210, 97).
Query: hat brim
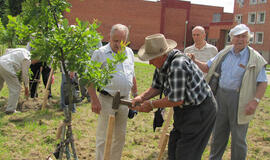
point(240, 32)
point(146, 57)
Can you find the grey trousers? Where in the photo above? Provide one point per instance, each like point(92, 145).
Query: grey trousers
point(120, 126)
point(192, 128)
point(226, 125)
point(14, 87)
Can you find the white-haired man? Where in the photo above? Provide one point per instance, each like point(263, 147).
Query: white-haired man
point(185, 89)
point(124, 81)
point(243, 82)
point(202, 50)
point(14, 61)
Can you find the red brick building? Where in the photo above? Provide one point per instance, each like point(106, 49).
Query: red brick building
point(174, 18)
point(255, 13)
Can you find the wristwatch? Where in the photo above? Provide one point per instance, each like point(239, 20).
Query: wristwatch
point(257, 99)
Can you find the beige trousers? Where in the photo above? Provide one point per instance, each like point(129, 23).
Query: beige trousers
point(14, 87)
point(118, 141)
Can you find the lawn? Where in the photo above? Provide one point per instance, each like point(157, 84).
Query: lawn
point(30, 135)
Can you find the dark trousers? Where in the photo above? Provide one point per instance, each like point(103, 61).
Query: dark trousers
point(192, 128)
point(35, 68)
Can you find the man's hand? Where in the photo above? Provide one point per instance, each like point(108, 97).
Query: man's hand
point(191, 56)
point(96, 106)
point(144, 107)
point(251, 107)
point(136, 100)
point(71, 75)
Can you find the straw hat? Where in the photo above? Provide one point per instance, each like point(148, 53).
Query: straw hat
point(154, 46)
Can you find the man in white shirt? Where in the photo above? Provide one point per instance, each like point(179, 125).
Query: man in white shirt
point(202, 50)
point(123, 80)
point(14, 61)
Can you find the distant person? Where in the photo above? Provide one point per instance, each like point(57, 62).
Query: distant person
point(185, 90)
point(11, 63)
point(202, 50)
point(241, 85)
point(35, 68)
point(123, 80)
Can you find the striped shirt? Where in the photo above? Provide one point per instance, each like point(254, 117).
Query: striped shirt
point(181, 80)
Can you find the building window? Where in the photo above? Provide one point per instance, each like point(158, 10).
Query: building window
point(251, 40)
point(227, 38)
point(241, 3)
point(251, 17)
point(262, 1)
point(259, 38)
point(216, 17)
point(251, 2)
point(238, 18)
point(260, 17)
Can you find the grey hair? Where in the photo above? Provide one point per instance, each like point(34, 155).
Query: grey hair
point(199, 28)
point(119, 27)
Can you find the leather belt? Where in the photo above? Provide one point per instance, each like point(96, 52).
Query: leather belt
point(104, 93)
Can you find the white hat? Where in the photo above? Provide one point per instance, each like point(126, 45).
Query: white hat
point(239, 29)
point(154, 46)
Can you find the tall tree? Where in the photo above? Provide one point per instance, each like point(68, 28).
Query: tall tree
point(54, 39)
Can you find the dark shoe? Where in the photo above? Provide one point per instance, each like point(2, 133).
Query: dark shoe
point(11, 112)
point(131, 113)
point(50, 96)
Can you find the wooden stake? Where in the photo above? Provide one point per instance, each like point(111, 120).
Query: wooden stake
point(46, 94)
point(163, 146)
point(107, 151)
point(165, 128)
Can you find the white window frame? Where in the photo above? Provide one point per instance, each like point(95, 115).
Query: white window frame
point(249, 17)
point(262, 1)
point(238, 18)
point(251, 40)
point(256, 38)
point(252, 2)
point(258, 17)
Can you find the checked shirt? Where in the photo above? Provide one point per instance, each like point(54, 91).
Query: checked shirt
point(181, 80)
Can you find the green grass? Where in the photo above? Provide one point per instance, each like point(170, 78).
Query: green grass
point(31, 134)
point(268, 67)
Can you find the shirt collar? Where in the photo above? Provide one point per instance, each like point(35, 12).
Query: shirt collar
point(108, 49)
point(201, 48)
point(244, 51)
point(166, 63)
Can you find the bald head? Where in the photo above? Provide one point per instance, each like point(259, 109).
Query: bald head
point(198, 35)
point(199, 28)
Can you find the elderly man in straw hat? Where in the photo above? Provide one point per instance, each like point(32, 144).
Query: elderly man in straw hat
point(243, 82)
point(186, 90)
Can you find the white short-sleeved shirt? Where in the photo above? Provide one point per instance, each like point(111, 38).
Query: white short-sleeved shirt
point(123, 77)
point(204, 54)
point(15, 60)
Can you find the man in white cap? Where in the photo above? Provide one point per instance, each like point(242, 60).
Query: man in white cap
point(202, 50)
point(14, 61)
point(243, 82)
point(185, 89)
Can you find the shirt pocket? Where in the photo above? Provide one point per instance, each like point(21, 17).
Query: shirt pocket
point(128, 67)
